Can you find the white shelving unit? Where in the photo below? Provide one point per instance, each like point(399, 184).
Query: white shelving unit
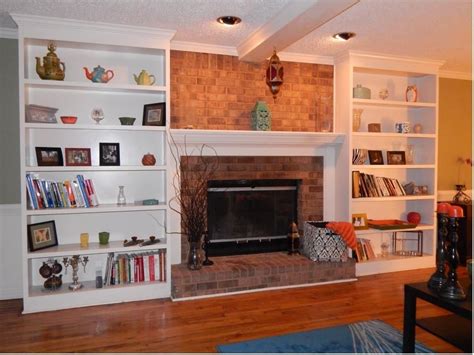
point(378, 72)
point(125, 50)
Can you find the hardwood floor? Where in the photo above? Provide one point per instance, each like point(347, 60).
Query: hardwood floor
point(198, 326)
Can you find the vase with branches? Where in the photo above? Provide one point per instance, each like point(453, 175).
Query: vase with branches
point(193, 171)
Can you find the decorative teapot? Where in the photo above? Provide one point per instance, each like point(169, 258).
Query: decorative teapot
point(144, 78)
point(99, 74)
point(51, 68)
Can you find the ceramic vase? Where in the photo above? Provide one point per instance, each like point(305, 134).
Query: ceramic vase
point(261, 117)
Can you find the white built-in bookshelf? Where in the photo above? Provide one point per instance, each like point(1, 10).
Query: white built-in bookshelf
point(125, 50)
point(378, 72)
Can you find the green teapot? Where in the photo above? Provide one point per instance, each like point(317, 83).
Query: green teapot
point(144, 78)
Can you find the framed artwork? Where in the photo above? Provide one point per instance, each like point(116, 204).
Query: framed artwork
point(109, 154)
point(154, 114)
point(359, 221)
point(47, 156)
point(396, 158)
point(375, 157)
point(78, 156)
point(40, 114)
point(42, 235)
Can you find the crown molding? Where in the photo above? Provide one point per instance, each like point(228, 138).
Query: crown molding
point(11, 33)
point(305, 58)
point(447, 74)
point(353, 53)
point(203, 48)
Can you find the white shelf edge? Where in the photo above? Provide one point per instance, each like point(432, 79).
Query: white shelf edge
point(394, 198)
point(90, 86)
point(392, 258)
point(393, 135)
point(392, 103)
point(422, 227)
point(99, 209)
point(94, 168)
point(92, 127)
point(385, 166)
point(94, 248)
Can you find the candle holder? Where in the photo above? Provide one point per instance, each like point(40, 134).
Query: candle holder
point(439, 277)
point(74, 263)
point(461, 197)
point(452, 289)
point(205, 247)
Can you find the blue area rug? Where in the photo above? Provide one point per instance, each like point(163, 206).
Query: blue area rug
point(364, 337)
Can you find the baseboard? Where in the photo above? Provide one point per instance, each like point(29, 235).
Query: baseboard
point(10, 251)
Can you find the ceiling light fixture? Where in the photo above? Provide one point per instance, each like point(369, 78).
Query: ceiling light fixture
point(344, 36)
point(229, 20)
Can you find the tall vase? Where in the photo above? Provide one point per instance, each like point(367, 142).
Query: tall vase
point(356, 116)
point(195, 255)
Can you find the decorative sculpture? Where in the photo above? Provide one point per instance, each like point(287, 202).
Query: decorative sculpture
point(74, 263)
point(274, 75)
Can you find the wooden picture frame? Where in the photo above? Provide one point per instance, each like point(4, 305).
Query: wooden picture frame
point(154, 114)
point(78, 156)
point(42, 235)
point(49, 156)
point(109, 154)
point(396, 157)
point(376, 157)
point(359, 221)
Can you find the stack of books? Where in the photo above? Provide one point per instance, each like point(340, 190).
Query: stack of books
point(63, 194)
point(367, 185)
point(364, 250)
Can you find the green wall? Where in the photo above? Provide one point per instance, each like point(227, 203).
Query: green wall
point(9, 125)
point(455, 133)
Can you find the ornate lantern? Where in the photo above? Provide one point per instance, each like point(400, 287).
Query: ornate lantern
point(274, 74)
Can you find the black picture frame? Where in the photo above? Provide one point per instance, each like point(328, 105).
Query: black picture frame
point(109, 154)
point(154, 114)
point(49, 156)
point(376, 157)
point(42, 235)
point(396, 157)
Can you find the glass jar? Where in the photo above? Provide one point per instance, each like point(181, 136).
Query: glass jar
point(121, 200)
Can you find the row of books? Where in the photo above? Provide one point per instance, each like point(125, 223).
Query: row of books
point(60, 194)
point(135, 268)
point(368, 185)
point(364, 250)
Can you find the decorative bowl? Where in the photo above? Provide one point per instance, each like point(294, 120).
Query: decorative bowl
point(69, 119)
point(127, 121)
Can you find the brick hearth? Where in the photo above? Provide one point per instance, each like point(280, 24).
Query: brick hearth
point(252, 272)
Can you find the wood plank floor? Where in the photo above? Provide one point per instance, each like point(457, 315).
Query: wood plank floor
point(198, 326)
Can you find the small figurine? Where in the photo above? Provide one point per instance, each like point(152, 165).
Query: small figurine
point(293, 239)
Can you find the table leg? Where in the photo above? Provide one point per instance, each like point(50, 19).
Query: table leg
point(409, 322)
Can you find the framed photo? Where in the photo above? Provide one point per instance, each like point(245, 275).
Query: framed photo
point(109, 154)
point(396, 158)
point(46, 156)
point(359, 221)
point(40, 114)
point(375, 157)
point(78, 156)
point(42, 235)
point(154, 114)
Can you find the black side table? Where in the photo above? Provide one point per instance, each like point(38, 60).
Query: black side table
point(455, 328)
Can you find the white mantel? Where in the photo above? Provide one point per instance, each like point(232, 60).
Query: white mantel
point(258, 143)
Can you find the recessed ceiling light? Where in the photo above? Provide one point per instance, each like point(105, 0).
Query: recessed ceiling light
point(229, 20)
point(344, 36)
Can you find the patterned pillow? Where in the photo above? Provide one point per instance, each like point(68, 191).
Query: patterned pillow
point(321, 244)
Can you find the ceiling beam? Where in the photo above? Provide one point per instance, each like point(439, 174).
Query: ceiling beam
point(292, 23)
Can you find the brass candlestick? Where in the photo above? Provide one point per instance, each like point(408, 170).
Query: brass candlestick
point(74, 263)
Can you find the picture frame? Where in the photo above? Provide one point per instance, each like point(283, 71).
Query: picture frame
point(42, 235)
point(360, 221)
point(154, 114)
point(40, 114)
point(109, 154)
point(78, 156)
point(396, 157)
point(49, 156)
point(376, 157)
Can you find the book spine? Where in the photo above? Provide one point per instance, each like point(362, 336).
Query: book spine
point(151, 262)
point(146, 268)
point(94, 197)
point(31, 192)
point(82, 188)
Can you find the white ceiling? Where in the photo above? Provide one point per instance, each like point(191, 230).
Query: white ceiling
point(432, 29)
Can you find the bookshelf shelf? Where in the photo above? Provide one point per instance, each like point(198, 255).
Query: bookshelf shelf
point(103, 208)
point(94, 168)
point(393, 135)
point(395, 167)
point(394, 198)
point(392, 103)
point(92, 127)
point(421, 227)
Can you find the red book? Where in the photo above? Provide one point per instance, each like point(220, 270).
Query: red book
point(142, 272)
point(136, 274)
point(151, 263)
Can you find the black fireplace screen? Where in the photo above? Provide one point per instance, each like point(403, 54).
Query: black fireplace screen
point(242, 210)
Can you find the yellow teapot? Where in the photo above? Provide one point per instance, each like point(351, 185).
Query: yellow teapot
point(144, 78)
point(51, 68)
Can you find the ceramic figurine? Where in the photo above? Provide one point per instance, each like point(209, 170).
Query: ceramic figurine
point(261, 117)
point(144, 78)
point(411, 94)
point(51, 68)
point(99, 75)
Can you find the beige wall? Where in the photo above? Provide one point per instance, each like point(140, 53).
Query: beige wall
point(455, 133)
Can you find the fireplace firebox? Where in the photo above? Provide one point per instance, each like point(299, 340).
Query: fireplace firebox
point(250, 216)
